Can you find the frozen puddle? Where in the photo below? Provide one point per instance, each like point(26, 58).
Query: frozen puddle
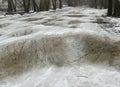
point(72, 47)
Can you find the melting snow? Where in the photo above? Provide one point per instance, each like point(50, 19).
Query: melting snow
point(72, 47)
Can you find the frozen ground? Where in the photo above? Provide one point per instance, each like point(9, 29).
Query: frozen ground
point(72, 47)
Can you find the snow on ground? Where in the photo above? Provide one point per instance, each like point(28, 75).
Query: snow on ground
point(72, 47)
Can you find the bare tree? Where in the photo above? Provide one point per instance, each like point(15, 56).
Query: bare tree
point(110, 6)
point(60, 5)
point(117, 8)
point(11, 6)
point(44, 5)
point(26, 5)
point(35, 6)
point(54, 3)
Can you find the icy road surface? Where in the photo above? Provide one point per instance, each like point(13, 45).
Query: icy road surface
point(72, 47)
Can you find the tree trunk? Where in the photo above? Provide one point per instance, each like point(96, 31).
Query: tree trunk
point(11, 6)
point(35, 6)
point(54, 2)
point(116, 9)
point(60, 4)
point(110, 7)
